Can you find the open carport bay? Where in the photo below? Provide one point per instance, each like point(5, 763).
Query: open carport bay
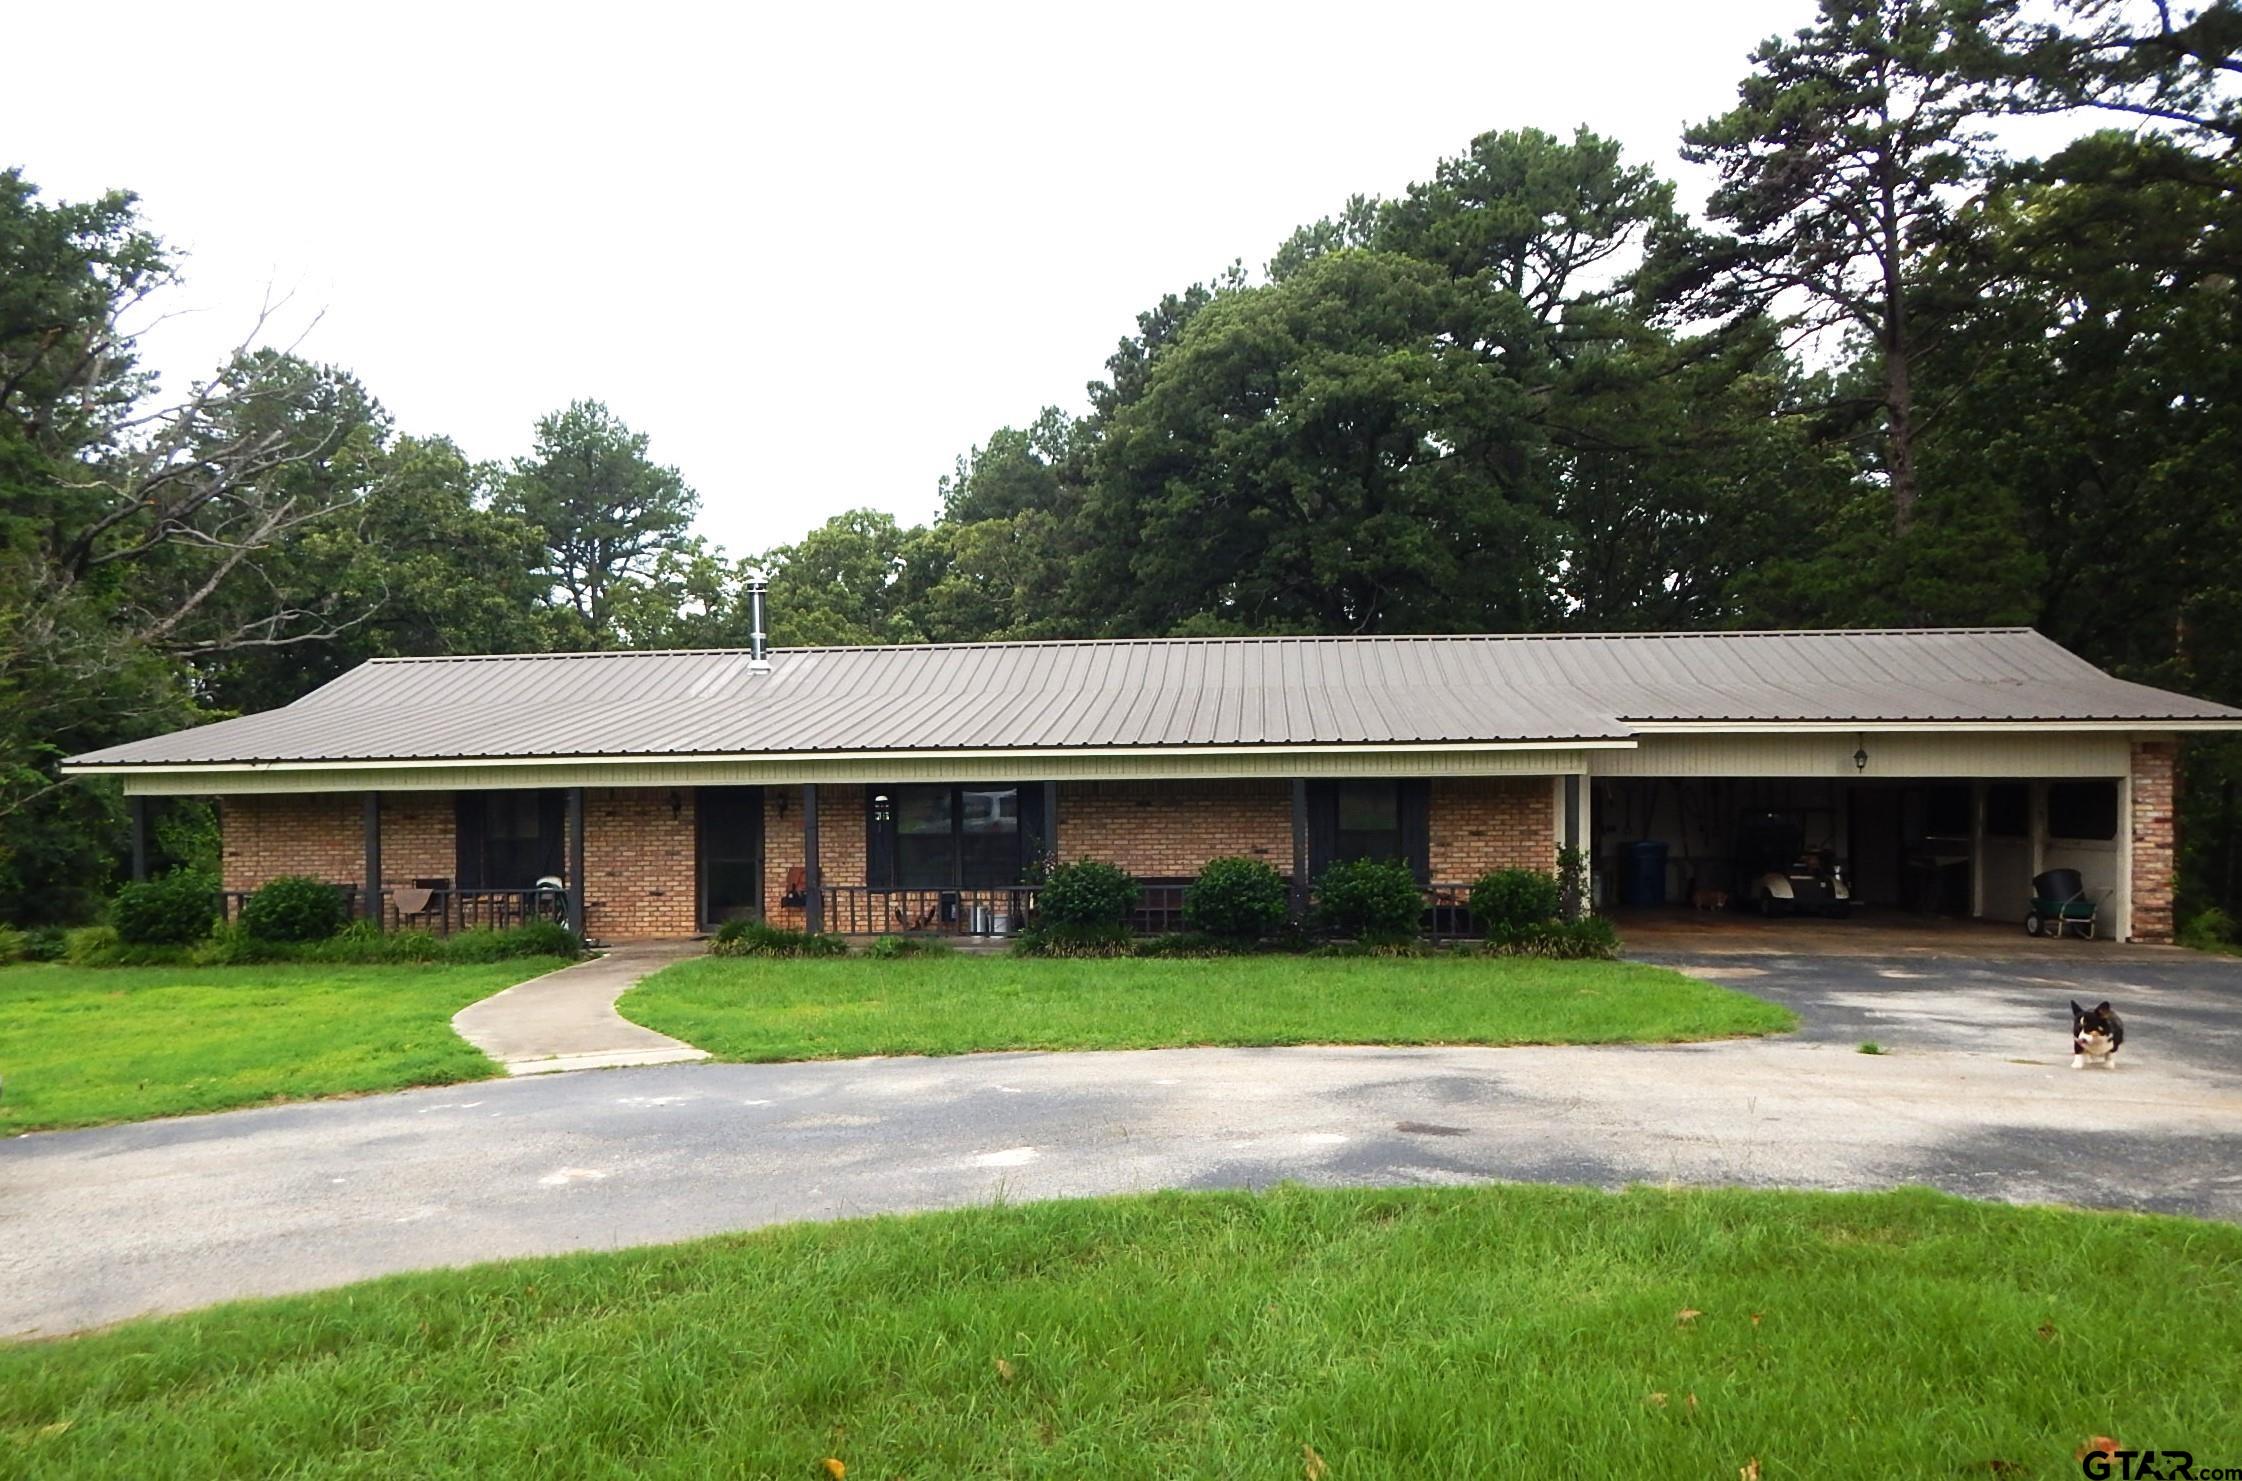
point(1922, 846)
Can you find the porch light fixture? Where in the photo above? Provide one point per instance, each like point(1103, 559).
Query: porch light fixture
point(1860, 757)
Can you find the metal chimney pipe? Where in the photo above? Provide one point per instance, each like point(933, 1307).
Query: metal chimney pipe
point(758, 651)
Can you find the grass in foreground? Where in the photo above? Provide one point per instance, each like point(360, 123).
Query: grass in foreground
point(751, 1009)
point(80, 1046)
point(1494, 1331)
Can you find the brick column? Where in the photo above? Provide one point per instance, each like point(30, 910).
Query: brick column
point(2155, 844)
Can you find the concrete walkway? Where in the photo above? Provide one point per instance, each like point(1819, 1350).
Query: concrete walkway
point(566, 1020)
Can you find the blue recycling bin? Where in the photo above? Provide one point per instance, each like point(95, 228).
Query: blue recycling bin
point(1642, 873)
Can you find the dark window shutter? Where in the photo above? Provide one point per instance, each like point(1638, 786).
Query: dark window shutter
point(1323, 827)
point(1416, 827)
point(1030, 835)
point(552, 835)
point(467, 817)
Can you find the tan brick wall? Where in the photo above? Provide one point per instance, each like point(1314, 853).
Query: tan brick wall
point(2155, 838)
point(1483, 823)
point(1174, 828)
point(840, 843)
point(639, 863)
point(322, 835)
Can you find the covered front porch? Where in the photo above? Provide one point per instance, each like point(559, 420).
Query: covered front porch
point(918, 856)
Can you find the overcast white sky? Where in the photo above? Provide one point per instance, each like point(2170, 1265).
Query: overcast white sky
point(815, 253)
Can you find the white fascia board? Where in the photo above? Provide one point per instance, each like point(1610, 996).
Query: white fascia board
point(2143, 728)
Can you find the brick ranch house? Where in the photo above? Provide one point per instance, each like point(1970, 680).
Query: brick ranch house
point(916, 788)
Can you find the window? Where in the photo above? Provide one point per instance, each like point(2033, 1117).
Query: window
point(941, 837)
point(1362, 819)
point(2082, 810)
point(1369, 821)
point(2008, 810)
point(511, 840)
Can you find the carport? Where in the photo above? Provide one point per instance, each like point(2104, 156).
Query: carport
point(1919, 824)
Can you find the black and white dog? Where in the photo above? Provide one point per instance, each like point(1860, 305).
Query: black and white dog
point(2096, 1033)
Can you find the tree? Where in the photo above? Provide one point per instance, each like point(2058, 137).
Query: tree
point(136, 536)
point(606, 510)
point(1839, 171)
point(838, 584)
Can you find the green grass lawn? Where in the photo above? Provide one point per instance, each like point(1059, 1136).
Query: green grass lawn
point(82, 1045)
point(759, 1009)
point(1482, 1332)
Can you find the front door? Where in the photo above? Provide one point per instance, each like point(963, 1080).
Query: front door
point(731, 852)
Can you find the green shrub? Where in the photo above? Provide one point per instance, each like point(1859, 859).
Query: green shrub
point(892, 948)
point(294, 907)
point(101, 946)
point(755, 938)
point(1241, 899)
point(2209, 929)
point(1086, 897)
point(1591, 938)
point(45, 944)
point(1074, 941)
point(231, 945)
point(15, 945)
point(1505, 899)
point(169, 910)
point(1374, 900)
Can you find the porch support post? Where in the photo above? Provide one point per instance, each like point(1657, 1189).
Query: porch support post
point(1299, 848)
point(813, 881)
point(137, 807)
point(577, 883)
point(1051, 822)
point(370, 906)
point(1573, 887)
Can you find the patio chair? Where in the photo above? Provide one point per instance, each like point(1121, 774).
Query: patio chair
point(2062, 905)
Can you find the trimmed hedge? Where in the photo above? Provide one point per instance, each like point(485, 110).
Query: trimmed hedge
point(1086, 897)
point(1507, 899)
point(1373, 900)
point(1237, 899)
point(294, 908)
point(169, 910)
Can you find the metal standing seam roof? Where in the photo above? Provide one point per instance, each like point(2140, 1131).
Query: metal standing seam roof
point(1168, 692)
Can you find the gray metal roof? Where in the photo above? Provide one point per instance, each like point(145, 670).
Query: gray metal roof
point(1168, 692)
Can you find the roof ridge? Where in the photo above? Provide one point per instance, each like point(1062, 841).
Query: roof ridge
point(777, 651)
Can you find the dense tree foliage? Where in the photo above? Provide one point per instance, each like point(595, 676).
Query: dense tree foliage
point(1897, 374)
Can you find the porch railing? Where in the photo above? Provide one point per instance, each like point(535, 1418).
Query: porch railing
point(881, 910)
point(443, 910)
point(1005, 910)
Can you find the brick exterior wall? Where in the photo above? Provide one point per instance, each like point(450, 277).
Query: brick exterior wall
point(1483, 823)
point(639, 863)
point(2155, 838)
point(319, 834)
point(840, 843)
point(640, 856)
point(1156, 829)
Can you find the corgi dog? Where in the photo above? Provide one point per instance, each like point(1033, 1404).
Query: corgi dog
point(2096, 1034)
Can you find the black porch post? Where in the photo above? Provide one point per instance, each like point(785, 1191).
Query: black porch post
point(577, 883)
point(371, 907)
point(1051, 822)
point(1300, 848)
point(813, 883)
point(1574, 894)
point(138, 807)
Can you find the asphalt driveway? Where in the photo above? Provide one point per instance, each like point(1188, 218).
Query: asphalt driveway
point(1975, 1097)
